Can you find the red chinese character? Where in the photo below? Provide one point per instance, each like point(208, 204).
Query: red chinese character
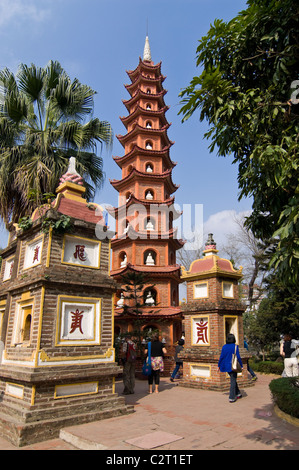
point(36, 254)
point(202, 331)
point(77, 318)
point(79, 253)
point(11, 268)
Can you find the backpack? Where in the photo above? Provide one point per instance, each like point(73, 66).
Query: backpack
point(287, 347)
point(131, 352)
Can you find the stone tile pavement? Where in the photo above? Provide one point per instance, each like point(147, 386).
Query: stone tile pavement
point(187, 420)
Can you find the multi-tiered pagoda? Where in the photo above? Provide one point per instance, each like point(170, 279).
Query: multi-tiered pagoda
point(145, 239)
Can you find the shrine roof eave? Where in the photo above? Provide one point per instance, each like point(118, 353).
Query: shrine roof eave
point(144, 65)
point(137, 130)
point(166, 176)
point(220, 307)
point(136, 150)
point(139, 110)
point(153, 270)
point(149, 97)
point(169, 236)
point(134, 200)
point(214, 272)
point(158, 80)
point(123, 239)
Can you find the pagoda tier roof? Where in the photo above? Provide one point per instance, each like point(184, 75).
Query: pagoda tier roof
point(150, 312)
point(166, 176)
point(144, 66)
point(154, 271)
point(144, 202)
point(158, 80)
point(137, 130)
point(132, 234)
point(148, 96)
point(145, 112)
point(210, 266)
point(136, 150)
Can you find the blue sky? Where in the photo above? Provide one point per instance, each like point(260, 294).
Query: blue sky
point(97, 41)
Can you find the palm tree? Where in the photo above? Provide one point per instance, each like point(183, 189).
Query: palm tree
point(43, 122)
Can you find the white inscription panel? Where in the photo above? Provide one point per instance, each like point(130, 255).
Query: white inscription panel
point(78, 321)
point(81, 252)
point(200, 371)
point(75, 389)
point(200, 331)
point(33, 253)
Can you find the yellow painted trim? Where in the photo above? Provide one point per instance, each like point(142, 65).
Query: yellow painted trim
point(196, 284)
point(113, 384)
point(49, 248)
point(235, 317)
point(25, 297)
point(41, 313)
point(57, 201)
point(193, 317)
point(2, 312)
point(200, 365)
point(70, 190)
point(45, 358)
point(75, 394)
point(2, 303)
point(95, 242)
point(14, 385)
point(74, 299)
point(33, 392)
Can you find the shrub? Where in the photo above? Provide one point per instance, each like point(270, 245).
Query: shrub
point(285, 394)
point(267, 367)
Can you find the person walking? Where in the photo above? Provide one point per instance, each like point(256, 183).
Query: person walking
point(289, 350)
point(225, 365)
point(158, 351)
point(178, 361)
point(129, 364)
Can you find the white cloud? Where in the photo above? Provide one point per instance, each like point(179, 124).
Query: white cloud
point(11, 10)
point(221, 224)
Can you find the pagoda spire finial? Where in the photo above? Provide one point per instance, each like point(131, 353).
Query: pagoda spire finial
point(147, 50)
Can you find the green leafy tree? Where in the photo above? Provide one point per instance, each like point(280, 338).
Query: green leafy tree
point(133, 285)
point(43, 122)
point(247, 92)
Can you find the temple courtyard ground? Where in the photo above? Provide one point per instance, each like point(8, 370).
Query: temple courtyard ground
point(183, 419)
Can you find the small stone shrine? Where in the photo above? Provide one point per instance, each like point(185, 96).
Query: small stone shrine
point(56, 305)
point(212, 311)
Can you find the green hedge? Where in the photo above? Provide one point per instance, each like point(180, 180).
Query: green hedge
point(267, 367)
point(285, 394)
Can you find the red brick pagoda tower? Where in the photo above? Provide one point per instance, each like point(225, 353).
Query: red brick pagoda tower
point(145, 239)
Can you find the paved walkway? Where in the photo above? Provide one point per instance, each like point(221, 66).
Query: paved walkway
point(184, 419)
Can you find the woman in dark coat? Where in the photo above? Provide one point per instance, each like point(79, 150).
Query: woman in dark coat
point(225, 365)
point(157, 353)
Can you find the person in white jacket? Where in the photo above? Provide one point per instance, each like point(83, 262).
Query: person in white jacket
point(289, 350)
